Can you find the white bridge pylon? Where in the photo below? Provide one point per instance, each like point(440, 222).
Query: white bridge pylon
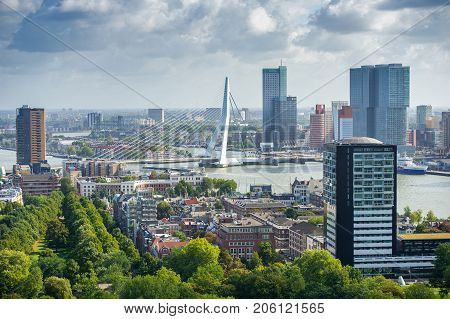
point(222, 126)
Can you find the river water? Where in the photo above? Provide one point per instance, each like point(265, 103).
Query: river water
point(417, 191)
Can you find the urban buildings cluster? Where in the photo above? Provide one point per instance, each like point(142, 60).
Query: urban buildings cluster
point(351, 212)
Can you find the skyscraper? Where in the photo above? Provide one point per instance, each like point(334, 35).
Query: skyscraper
point(317, 127)
point(360, 199)
point(345, 123)
point(379, 96)
point(277, 126)
point(94, 119)
point(285, 119)
point(360, 205)
point(423, 112)
point(30, 135)
point(335, 107)
point(329, 130)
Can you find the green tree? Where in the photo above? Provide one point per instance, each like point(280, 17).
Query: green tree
point(324, 275)
point(58, 288)
point(163, 210)
point(255, 261)
point(290, 213)
point(52, 266)
point(85, 151)
point(57, 233)
point(316, 220)
point(418, 290)
point(207, 279)
point(71, 150)
point(407, 211)
point(441, 275)
point(416, 217)
point(147, 265)
point(198, 252)
point(32, 286)
point(164, 285)
point(431, 217)
point(14, 269)
point(182, 236)
point(267, 253)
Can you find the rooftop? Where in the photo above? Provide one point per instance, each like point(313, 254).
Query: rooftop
point(245, 222)
point(424, 236)
point(360, 140)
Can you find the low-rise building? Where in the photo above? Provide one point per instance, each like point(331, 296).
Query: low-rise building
point(110, 187)
point(41, 184)
point(420, 244)
point(314, 242)
point(162, 247)
point(245, 206)
point(242, 237)
point(11, 194)
point(298, 235)
point(280, 227)
point(193, 177)
point(302, 190)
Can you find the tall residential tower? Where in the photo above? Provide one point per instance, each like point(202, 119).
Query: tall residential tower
point(30, 135)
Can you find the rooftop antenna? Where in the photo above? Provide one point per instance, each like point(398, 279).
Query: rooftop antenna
point(281, 61)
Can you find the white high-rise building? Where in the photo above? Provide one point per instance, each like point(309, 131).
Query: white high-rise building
point(335, 107)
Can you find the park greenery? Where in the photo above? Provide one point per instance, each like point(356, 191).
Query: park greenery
point(425, 223)
point(67, 246)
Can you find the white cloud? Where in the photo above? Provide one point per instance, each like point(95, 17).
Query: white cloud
point(259, 22)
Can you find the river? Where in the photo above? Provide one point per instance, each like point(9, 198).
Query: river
point(416, 191)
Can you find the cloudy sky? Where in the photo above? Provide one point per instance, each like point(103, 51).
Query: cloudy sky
point(177, 52)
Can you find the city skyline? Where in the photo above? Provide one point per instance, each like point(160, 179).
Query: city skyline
point(315, 41)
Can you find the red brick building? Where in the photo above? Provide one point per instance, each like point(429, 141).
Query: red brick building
point(242, 237)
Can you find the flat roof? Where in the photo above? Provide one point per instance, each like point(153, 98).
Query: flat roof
point(425, 236)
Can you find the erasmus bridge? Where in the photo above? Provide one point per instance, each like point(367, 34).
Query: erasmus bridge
point(163, 135)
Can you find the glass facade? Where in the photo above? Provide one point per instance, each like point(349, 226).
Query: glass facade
point(379, 96)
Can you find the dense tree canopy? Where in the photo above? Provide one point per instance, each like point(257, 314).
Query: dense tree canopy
point(67, 246)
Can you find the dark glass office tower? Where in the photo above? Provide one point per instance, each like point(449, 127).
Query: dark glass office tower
point(359, 180)
point(279, 110)
point(379, 97)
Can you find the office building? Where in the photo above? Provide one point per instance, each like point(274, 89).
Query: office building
point(379, 96)
point(445, 130)
point(156, 115)
point(335, 107)
point(94, 120)
point(298, 234)
point(278, 127)
point(242, 237)
point(360, 199)
point(423, 113)
point(360, 203)
point(317, 127)
point(421, 244)
point(30, 135)
point(345, 123)
point(41, 184)
point(285, 118)
point(329, 131)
